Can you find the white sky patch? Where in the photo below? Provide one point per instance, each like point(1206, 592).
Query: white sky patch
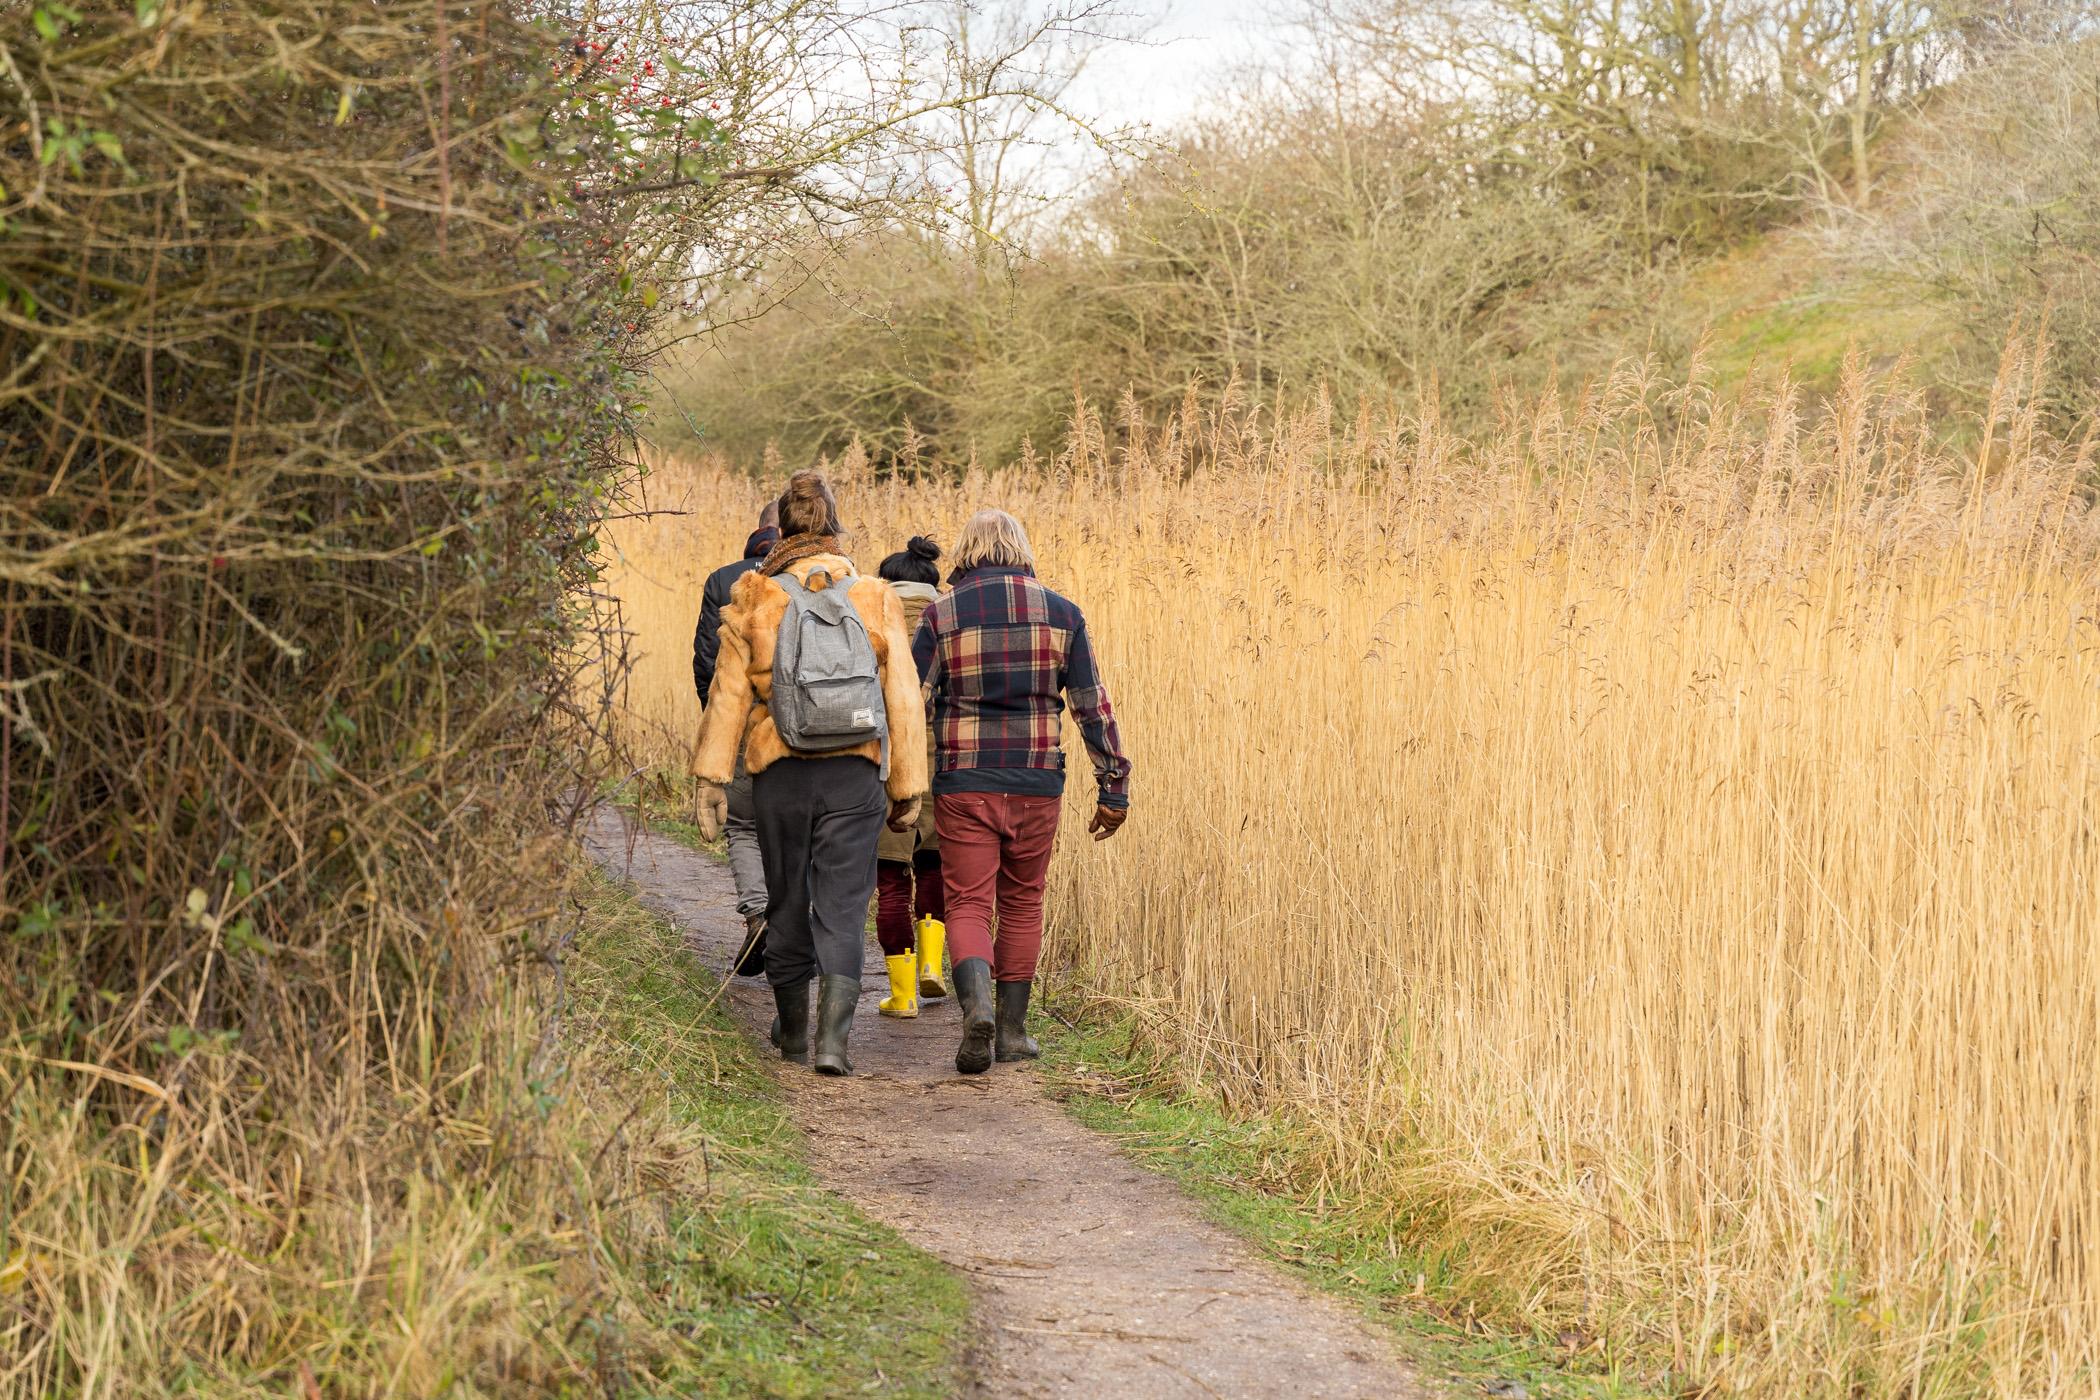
point(1192, 52)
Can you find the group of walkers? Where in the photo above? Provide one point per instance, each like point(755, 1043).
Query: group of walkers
point(816, 756)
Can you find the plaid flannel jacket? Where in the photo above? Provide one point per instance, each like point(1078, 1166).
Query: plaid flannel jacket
point(1001, 656)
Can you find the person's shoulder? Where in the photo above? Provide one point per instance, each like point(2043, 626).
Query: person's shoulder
point(1062, 610)
point(870, 589)
point(747, 584)
point(725, 577)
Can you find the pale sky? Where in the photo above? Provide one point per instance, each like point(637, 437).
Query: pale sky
point(1194, 47)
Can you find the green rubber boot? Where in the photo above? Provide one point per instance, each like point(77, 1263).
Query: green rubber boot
point(1014, 1041)
point(791, 1021)
point(836, 998)
point(973, 992)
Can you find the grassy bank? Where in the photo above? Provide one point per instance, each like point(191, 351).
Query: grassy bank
point(775, 1286)
point(609, 1200)
point(1256, 1176)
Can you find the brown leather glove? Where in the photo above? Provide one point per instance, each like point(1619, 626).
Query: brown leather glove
point(1107, 821)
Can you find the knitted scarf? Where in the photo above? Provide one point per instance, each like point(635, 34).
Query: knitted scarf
point(796, 548)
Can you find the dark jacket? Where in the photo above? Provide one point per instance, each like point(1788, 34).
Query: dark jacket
point(707, 637)
point(1003, 656)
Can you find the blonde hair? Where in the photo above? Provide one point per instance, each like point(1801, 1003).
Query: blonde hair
point(996, 538)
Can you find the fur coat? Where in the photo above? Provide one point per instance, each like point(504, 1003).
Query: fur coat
point(903, 845)
point(737, 713)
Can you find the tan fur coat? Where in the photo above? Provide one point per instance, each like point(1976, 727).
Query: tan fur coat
point(737, 713)
point(903, 845)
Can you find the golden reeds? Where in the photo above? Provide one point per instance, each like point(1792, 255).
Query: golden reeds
point(1649, 851)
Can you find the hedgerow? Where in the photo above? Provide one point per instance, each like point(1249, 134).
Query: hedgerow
point(316, 381)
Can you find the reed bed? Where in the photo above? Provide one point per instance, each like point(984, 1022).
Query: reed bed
point(1647, 853)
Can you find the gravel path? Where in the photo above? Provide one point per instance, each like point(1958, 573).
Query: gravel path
point(1090, 1276)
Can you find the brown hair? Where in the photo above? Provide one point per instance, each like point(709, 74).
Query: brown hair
point(807, 507)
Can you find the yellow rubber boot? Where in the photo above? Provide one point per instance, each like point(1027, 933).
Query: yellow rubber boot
point(903, 1000)
point(933, 942)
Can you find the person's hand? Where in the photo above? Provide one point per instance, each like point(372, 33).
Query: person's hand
point(904, 814)
point(1107, 821)
point(710, 810)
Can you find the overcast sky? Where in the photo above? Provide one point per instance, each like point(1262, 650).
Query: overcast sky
point(1194, 47)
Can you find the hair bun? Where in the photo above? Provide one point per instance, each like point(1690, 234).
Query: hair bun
point(923, 548)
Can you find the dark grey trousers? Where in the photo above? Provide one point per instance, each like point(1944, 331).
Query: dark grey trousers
point(818, 822)
point(746, 865)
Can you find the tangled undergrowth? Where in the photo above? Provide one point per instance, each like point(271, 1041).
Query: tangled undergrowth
point(310, 406)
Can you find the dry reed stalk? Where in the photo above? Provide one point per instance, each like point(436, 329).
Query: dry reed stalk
point(1650, 849)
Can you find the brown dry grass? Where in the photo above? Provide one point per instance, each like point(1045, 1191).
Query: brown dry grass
point(1650, 850)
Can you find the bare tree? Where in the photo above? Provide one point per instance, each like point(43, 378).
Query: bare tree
point(1650, 90)
point(1997, 215)
point(1009, 68)
point(751, 139)
point(971, 118)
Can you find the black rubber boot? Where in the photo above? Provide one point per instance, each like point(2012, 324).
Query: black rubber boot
point(836, 998)
point(973, 993)
point(1015, 1043)
point(751, 958)
point(791, 1025)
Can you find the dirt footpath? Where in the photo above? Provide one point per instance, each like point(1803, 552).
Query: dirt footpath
point(1090, 1276)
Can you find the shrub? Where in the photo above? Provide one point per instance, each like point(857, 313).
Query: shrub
point(308, 417)
point(1995, 212)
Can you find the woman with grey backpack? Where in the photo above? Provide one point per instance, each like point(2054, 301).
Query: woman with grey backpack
point(815, 682)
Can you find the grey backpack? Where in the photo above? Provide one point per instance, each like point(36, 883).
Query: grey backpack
point(827, 692)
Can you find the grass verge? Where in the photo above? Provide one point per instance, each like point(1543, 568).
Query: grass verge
point(1245, 1171)
point(775, 1286)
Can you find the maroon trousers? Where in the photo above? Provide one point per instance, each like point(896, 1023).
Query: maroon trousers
point(898, 905)
point(995, 853)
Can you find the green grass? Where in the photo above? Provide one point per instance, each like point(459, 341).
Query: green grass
point(1779, 301)
point(665, 801)
point(773, 1285)
point(1239, 1169)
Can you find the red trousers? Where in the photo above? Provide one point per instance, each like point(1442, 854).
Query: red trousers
point(995, 853)
point(898, 905)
